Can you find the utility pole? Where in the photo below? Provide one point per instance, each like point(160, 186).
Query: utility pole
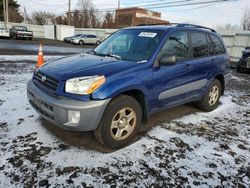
point(119, 4)
point(4, 13)
point(7, 11)
point(69, 13)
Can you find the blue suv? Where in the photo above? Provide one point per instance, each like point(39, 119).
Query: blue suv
point(134, 73)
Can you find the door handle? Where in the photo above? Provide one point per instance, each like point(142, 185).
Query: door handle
point(188, 66)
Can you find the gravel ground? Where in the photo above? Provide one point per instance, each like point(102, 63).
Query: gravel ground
point(180, 147)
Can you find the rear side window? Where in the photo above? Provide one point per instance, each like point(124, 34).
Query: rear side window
point(200, 45)
point(91, 36)
point(177, 45)
point(218, 45)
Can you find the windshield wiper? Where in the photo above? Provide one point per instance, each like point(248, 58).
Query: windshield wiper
point(104, 55)
point(92, 52)
point(112, 55)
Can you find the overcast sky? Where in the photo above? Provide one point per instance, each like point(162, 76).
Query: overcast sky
point(209, 15)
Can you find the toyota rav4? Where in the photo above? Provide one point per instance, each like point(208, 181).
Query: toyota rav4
point(137, 71)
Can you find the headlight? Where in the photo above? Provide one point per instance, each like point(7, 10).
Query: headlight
point(84, 85)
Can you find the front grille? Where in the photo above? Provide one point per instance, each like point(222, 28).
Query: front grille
point(48, 82)
point(41, 106)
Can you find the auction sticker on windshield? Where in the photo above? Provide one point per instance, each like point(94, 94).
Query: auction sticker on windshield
point(147, 34)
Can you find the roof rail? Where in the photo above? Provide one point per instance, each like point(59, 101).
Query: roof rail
point(180, 25)
point(195, 26)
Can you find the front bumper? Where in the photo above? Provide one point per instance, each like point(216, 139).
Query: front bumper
point(24, 36)
point(56, 109)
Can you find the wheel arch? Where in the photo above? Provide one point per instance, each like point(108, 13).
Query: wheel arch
point(220, 77)
point(141, 99)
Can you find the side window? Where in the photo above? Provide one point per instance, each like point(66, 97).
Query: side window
point(210, 45)
point(199, 44)
point(177, 45)
point(91, 36)
point(218, 46)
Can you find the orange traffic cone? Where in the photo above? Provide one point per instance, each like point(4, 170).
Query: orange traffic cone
point(40, 57)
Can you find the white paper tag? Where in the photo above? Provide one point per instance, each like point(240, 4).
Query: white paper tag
point(147, 34)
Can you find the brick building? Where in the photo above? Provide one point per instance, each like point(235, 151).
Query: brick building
point(135, 16)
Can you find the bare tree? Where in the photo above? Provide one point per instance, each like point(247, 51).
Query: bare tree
point(245, 21)
point(41, 18)
point(88, 16)
point(108, 21)
point(227, 27)
point(61, 20)
point(14, 15)
point(84, 7)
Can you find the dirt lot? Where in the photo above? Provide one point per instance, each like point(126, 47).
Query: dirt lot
point(180, 147)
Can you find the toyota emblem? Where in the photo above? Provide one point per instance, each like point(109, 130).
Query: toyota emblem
point(43, 78)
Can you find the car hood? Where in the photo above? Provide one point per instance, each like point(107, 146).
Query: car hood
point(84, 65)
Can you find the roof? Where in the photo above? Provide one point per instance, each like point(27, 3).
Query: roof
point(169, 26)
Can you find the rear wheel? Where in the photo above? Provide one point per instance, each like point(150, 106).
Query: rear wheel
point(81, 42)
point(211, 99)
point(120, 122)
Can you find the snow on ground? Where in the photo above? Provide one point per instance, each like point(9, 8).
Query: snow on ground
point(25, 58)
point(199, 149)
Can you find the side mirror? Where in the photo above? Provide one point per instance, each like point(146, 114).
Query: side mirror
point(168, 60)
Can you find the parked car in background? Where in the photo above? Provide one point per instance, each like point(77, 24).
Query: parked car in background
point(4, 32)
point(137, 71)
point(244, 62)
point(20, 32)
point(68, 39)
point(86, 39)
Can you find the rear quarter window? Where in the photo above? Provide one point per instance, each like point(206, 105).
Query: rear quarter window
point(218, 45)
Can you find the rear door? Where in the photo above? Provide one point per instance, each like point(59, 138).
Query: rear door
point(202, 59)
point(221, 60)
point(90, 39)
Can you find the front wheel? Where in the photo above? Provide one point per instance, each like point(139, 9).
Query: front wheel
point(238, 69)
point(211, 99)
point(120, 122)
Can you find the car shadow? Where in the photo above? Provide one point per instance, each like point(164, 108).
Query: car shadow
point(87, 141)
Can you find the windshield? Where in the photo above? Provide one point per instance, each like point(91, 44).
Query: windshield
point(130, 44)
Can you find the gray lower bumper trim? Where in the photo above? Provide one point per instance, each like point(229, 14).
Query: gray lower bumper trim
point(55, 109)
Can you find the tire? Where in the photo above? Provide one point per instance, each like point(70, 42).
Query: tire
point(210, 100)
point(119, 110)
point(98, 42)
point(238, 69)
point(81, 42)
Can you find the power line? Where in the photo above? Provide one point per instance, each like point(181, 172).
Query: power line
point(162, 3)
point(46, 4)
point(195, 8)
point(186, 4)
